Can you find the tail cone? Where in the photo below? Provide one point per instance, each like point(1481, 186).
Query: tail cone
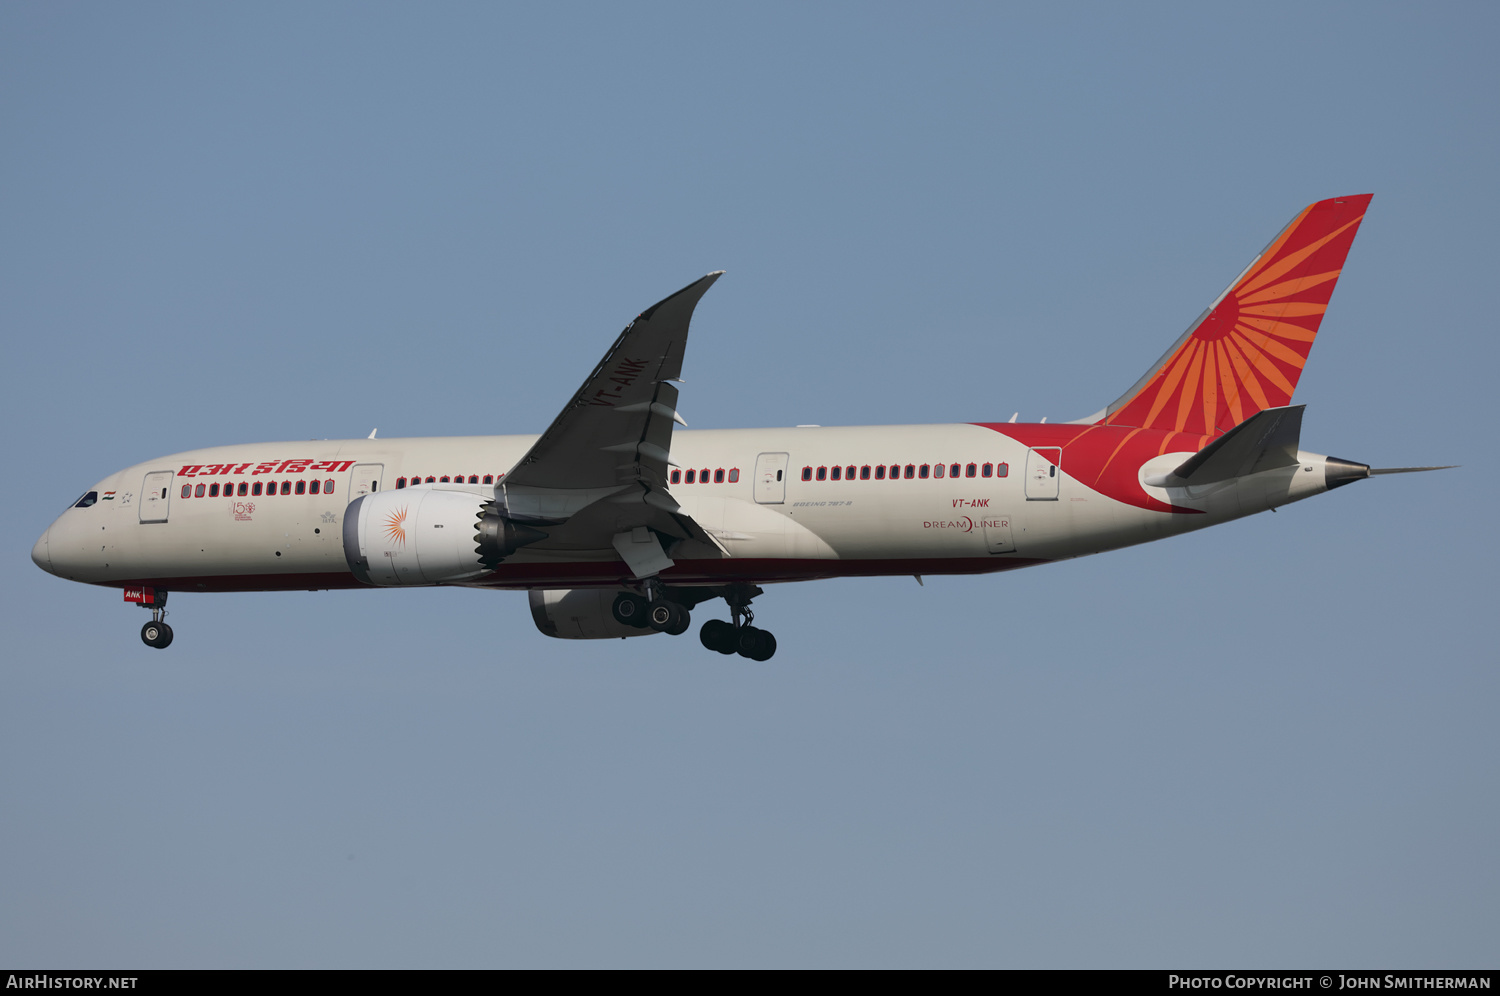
point(1337, 473)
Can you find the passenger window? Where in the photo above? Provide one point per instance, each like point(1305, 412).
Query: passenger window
point(807, 473)
point(213, 491)
point(302, 487)
point(433, 480)
point(703, 476)
point(895, 471)
point(444, 479)
point(473, 478)
point(849, 473)
point(489, 478)
point(922, 472)
point(911, 471)
point(691, 476)
point(1002, 470)
point(953, 471)
point(187, 492)
point(286, 487)
point(938, 471)
point(198, 491)
point(986, 470)
point(880, 472)
point(312, 488)
point(968, 471)
point(822, 473)
point(719, 476)
point(836, 472)
point(864, 472)
point(328, 486)
point(255, 489)
point(244, 489)
point(676, 477)
point(400, 483)
point(734, 475)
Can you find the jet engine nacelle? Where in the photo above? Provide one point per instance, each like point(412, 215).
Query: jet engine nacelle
point(579, 614)
point(419, 536)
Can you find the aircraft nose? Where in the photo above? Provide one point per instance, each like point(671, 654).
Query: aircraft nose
point(41, 555)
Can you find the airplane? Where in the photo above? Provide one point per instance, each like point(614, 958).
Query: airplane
point(618, 523)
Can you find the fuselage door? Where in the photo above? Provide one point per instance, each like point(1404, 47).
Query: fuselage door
point(770, 478)
point(997, 535)
point(156, 495)
point(365, 480)
point(1043, 473)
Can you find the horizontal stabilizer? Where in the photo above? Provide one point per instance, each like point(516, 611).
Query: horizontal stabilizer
point(1265, 441)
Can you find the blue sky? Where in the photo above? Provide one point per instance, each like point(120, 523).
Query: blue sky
point(1269, 744)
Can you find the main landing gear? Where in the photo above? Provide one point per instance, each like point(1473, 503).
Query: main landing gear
point(157, 633)
point(747, 641)
point(668, 614)
point(660, 614)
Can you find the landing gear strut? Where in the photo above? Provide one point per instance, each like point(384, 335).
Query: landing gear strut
point(156, 633)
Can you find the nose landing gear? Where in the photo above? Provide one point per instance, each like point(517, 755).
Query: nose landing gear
point(155, 633)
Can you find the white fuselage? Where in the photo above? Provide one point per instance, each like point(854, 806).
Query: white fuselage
point(202, 520)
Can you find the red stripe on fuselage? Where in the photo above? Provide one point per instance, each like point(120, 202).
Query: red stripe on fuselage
point(1107, 458)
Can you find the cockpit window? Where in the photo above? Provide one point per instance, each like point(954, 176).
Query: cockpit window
point(87, 500)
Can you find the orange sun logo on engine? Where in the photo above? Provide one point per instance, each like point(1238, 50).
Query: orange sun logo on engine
point(395, 526)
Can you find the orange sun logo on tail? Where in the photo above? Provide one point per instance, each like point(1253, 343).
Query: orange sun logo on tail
point(395, 526)
point(1246, 353)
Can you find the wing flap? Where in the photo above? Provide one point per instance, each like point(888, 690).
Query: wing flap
point(642, 552)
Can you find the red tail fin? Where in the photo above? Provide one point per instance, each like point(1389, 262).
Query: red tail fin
point(1245, 353)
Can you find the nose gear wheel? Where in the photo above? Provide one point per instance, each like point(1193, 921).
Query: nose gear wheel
point(156, 634)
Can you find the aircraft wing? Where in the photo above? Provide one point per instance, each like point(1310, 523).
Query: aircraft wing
point(598, 475)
